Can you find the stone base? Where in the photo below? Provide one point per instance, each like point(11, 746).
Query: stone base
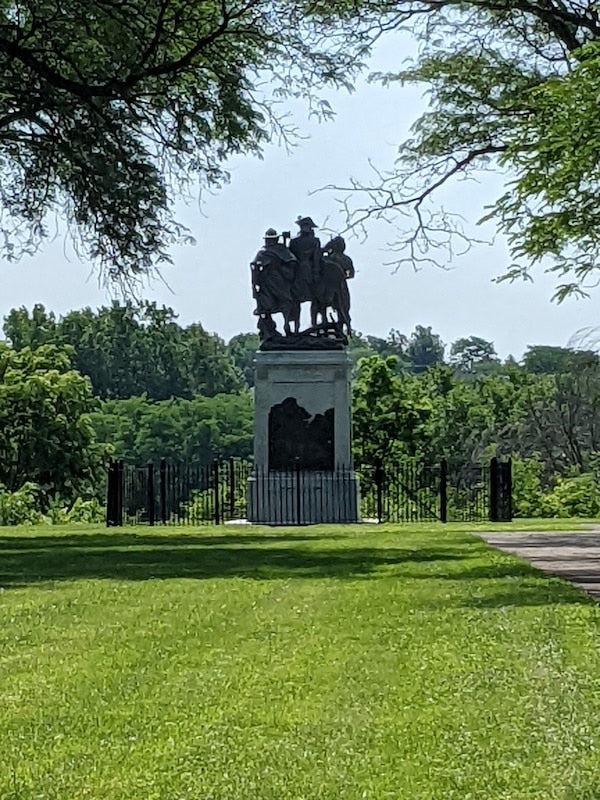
point(302, 411)
point(303, 498)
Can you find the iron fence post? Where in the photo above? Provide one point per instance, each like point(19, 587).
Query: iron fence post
point(215, 471)
point(150, 491)
point(119, 494)
point(379, 488)
point(443, 490)
point(231, 488)
point(163, 491)
point(494, 475)
point(509, 489)
point(505, 485)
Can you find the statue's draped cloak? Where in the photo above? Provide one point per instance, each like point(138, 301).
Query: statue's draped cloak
point(273, 274)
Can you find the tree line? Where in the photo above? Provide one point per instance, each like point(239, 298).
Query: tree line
point(129, 381)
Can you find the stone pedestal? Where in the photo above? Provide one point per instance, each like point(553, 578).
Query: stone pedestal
point(302, 439)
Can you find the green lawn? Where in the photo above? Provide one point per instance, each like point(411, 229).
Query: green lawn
point(335, 662)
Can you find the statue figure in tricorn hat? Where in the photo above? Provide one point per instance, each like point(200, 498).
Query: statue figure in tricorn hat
point(307, 249)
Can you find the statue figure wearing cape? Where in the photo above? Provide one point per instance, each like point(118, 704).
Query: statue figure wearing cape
point(273, 274)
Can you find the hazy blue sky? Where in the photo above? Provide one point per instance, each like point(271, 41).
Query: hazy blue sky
point(209, 282)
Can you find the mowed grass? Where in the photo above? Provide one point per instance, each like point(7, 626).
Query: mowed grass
point(328, 662)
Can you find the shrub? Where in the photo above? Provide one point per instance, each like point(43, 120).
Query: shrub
point(88, 511)
point(527, 486)
point(577, 496)
point(80, 511)
point(20, 507)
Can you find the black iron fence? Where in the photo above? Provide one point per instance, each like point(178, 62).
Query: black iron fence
point(406, 491)
point(180, 493)
point(410, 491)
point(190, 493)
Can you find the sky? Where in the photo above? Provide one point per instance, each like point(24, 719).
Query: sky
point(210, 281)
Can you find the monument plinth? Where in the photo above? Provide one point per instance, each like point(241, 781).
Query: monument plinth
point(303, 471)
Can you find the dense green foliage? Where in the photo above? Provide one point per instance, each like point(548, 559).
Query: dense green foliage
point(512, 86)
point(107, 108)
point(390, 413)
point(548, 360)
point(254, 663)
point(551, 210)
point(242, 348)
point(202, 429)
point(46, 435)
point(31, 505)
point(20, 507)
point(129, 350)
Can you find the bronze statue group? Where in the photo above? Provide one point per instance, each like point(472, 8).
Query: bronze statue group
point(290, 271)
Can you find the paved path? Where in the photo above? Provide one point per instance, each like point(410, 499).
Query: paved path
point(574, 556)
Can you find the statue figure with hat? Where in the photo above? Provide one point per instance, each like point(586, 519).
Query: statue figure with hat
point(307, 249)
point(331, 289)
point(273, 273)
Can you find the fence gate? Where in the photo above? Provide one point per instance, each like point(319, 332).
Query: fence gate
point(410, 491)
point(402, 491)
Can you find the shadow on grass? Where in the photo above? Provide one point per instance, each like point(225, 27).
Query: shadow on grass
point(498, 582)
point(121, 540)
point(25, 560)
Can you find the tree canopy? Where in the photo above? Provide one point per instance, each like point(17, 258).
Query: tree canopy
point(425, 349)
point(46, 435)
point(199, 429)
point(131, 349)
point(242, 348)
point(107, 105)
point(511, 85)
point(472, 354)
point(548, 423)
point(549, 360)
